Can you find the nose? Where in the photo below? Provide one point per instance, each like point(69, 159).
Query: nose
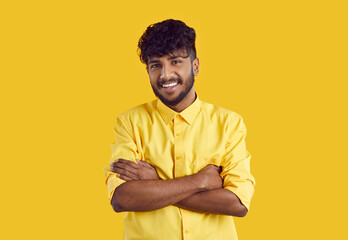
point(167, 72)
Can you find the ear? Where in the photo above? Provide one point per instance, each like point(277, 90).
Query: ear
point(195, 66)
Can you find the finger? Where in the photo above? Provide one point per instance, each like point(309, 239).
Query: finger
point(143, 163)
point(130, 163)
point(112, 164)
point(125, 177)
point(116, 169)
point(127, 167)
point(126, 173)
point(115, 161)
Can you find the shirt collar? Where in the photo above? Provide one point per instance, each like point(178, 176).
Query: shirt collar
point(188, 114)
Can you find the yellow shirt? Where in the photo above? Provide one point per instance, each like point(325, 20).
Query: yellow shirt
point(177, 145)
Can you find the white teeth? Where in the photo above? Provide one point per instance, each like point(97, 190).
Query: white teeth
point(170, 85)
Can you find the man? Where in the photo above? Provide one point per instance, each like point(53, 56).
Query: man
point(179, 167)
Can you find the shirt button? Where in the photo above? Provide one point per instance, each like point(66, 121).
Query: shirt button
point(178, 157)
point(178, 134)
point(186, 231)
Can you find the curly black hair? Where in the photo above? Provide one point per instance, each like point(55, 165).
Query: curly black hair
point(164, 38)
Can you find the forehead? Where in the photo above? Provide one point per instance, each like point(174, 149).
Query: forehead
point(169, 56)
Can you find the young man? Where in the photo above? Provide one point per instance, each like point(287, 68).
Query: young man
point(179, 166)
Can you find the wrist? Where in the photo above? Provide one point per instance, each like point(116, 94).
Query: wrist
point(200, 182)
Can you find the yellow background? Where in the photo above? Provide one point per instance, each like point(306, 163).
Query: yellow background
point(68, 68)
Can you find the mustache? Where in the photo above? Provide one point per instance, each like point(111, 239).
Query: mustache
point(171, 80)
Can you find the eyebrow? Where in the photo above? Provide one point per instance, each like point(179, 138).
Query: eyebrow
point(169, 58)
point(174, 56)
point(153, 61)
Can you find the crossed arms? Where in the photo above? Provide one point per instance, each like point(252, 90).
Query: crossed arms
point(145, 191)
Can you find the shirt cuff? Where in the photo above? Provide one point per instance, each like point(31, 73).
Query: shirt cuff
point(245, 200)
point(112, 182)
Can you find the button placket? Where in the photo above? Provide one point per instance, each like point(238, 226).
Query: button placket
point(185, 226)
point(178, 147)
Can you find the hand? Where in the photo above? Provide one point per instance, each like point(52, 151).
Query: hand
point(129, 170)
point(210, 177)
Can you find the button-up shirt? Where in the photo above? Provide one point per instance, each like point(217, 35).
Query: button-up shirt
point(177, 145)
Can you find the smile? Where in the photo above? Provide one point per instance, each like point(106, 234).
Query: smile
point(169, 85)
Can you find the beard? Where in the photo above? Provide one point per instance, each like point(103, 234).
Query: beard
point(187, 87)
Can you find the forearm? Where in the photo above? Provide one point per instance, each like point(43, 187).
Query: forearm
point(218, 201)
point(149, 195)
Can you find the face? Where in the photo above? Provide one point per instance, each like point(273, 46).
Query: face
point(172, 77)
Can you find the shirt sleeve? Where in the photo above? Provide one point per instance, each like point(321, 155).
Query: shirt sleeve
point(123, 147)
point(236, 163)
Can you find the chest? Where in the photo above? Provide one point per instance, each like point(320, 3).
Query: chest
point(180, 149)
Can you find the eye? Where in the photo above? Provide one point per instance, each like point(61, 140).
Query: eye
point(154, 66)
point(176, 62)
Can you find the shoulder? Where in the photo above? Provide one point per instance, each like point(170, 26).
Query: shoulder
point(139, 112)
point(221, 113)
point(230, 121)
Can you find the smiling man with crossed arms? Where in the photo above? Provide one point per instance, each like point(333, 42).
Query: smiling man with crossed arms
point(179, 167)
